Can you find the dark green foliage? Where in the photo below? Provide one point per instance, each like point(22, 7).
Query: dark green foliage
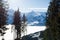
point(17, 23)
point(3, 13)
point(41, 34)
point(53, 21)
point(24, 18)
point(47, 35)
point(29, 38)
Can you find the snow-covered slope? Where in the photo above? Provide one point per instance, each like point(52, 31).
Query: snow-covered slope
point(33, 29)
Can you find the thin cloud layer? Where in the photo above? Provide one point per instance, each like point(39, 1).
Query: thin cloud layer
point(33, 9)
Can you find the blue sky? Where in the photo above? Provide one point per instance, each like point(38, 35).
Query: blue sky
point(28, 5)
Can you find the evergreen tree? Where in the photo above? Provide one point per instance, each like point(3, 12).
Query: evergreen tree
point(53, 21)
point(24, 24)
point(3, 13)
point(24, 18)
point(17, 23)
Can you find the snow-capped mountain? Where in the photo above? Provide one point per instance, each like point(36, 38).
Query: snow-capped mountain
point(36, 18)
point(33, 18)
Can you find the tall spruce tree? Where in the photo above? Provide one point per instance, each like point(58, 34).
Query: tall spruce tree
point(3, 13)
point(53, 21)
point(17, 23)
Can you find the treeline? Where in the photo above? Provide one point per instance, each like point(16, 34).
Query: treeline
point(18, 21)
point(53, 21)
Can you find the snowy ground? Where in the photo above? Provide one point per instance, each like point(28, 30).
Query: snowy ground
point(33, 29)
point(11, 32)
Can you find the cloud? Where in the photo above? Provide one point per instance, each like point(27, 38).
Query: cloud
point(21, 4)
point(32, 23)
point(24, 7)
point(33, 9)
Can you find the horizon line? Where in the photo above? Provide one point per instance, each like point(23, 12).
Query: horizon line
point(26, 10)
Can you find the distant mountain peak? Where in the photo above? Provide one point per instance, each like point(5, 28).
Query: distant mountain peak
point(31, 17)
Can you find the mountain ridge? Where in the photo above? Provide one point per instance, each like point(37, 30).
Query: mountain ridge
point(33, 18)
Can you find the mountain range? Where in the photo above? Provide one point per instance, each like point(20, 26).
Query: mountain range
point(36, 18)
point(33, 18)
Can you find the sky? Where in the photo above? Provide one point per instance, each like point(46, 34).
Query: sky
point(28, 5)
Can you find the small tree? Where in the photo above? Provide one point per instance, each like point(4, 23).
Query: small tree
point(24, 24)
point(24, 18)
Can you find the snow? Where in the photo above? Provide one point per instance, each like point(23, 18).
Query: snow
point(33, 29)
point(1, 37)
point(32, 23)
point(11, 32)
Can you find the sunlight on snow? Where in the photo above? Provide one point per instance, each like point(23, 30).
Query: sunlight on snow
point(33, 29)
point(11, 32)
